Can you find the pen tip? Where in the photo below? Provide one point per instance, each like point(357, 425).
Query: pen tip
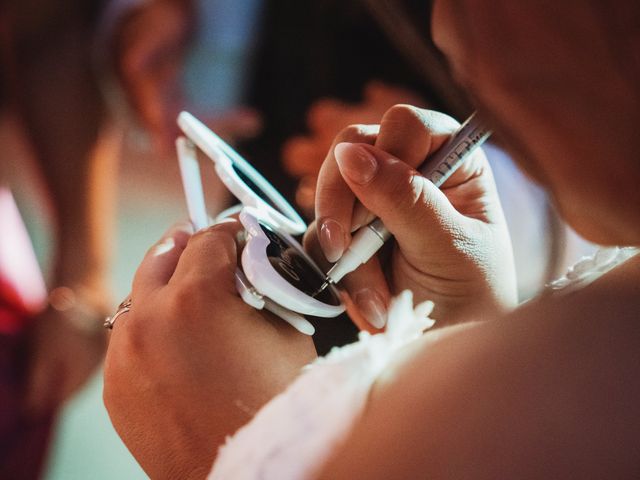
point(322, 287)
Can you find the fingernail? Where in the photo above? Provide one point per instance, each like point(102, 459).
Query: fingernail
point(182, 228)
point(332, 239)
point(355, 162)
point(372, 307)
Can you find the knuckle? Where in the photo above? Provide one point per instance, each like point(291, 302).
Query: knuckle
point(357, 133)
point(331, 193)
point(184, 294)
point(198, 288)
point(402, 114)
point(135, 334)
point(209, 235)
point(217, 241)
point(404, 189)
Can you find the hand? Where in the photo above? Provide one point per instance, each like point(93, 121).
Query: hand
point(451, 245)
point(191, 362)
point(61, 359)
point(303, 155)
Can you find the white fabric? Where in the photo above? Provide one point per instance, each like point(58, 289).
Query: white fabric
point(294, 434)
point(589, 268)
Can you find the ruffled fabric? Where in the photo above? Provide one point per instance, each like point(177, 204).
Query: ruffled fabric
point(294, 434)
point(592, 267)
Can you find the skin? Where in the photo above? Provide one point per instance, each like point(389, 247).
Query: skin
point(156, 358)
point(545, 391)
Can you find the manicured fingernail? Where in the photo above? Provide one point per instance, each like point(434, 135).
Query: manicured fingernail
point(372, 307)
point(355, 162)
point(332, 239)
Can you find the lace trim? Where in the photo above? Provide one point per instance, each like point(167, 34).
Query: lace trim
point(592, 267)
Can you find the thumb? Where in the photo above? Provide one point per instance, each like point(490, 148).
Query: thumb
point(412, 208)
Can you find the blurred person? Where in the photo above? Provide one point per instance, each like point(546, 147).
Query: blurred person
point(546, 389)
point(48, 83)
point(55, 58)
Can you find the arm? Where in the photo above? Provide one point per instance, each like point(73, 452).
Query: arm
point(58, 102)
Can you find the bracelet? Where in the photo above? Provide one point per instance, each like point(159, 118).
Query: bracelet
point(77, 310)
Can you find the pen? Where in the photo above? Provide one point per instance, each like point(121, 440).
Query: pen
point(437, 168)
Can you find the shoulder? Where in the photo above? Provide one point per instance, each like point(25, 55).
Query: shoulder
point(547, 391)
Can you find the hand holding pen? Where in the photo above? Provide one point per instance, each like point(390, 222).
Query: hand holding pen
point(442, 237)
point(437, 168)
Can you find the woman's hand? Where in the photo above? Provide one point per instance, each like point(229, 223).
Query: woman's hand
point(451, 244)
point(191, 362)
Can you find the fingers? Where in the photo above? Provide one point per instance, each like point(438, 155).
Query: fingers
point(369, 294)
point(210, 259)
point(334, 199)
point(411, 207)
point(161, 259)
point(408, 133)
point(411, 133)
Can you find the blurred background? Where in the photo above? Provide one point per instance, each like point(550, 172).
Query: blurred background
point(90, 92)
